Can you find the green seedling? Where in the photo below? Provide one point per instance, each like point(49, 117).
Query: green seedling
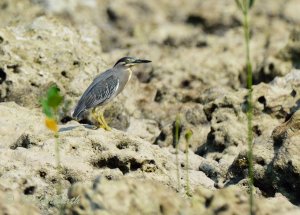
point(245, 6)
point(50, 105)
point(188, 135)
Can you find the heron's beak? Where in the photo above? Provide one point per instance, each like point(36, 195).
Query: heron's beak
point(141, 61)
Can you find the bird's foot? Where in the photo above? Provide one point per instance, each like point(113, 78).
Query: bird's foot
point(105, 127)
point(100, 119)
point(103, 123)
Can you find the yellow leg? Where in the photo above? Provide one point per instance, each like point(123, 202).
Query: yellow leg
point(100, 118)
point(104, 124)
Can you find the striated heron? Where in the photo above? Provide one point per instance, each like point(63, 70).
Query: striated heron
point(105, 87)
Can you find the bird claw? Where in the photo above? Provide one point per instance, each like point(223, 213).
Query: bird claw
point(106, 128)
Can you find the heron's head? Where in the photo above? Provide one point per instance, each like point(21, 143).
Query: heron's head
point(130, 61)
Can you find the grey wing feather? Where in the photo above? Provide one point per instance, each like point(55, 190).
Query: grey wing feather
point(102, 88)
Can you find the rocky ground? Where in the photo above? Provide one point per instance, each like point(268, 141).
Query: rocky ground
point(197, 73)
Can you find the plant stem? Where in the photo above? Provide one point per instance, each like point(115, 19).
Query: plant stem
point(177, 126)
point(187, 168)
point(58, 164)
point(250, 105)
point(58, 172)
point(57, 154)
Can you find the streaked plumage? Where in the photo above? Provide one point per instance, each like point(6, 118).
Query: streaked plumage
point(99, 92)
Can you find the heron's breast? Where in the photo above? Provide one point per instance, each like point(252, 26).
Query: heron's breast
point(129, 72)
point(127, 76)
point(124, 77)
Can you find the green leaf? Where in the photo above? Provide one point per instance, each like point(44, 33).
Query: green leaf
point(251, 2)
point(239, 4)
point(46, 109)
point(188, 134)
point(51, 102)
point(54, 98)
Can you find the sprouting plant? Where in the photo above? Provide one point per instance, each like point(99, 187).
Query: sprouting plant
point(50, 104)
point(244, 6)
point(188, 135)
point(176, 143)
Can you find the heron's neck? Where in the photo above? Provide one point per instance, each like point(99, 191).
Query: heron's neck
point(129, 73)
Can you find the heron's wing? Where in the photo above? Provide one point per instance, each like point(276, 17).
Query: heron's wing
point(98, 79)
point(102, 91)
point(97, 93)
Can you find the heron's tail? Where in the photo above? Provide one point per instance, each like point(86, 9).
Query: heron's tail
point(78, 112)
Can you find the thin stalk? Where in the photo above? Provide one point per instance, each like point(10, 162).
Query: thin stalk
point(58, 163)
point(58, 168)
point(57, 154)
point(177, 127)
point(58, 171)
point(250, 106)
point(188, 192)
